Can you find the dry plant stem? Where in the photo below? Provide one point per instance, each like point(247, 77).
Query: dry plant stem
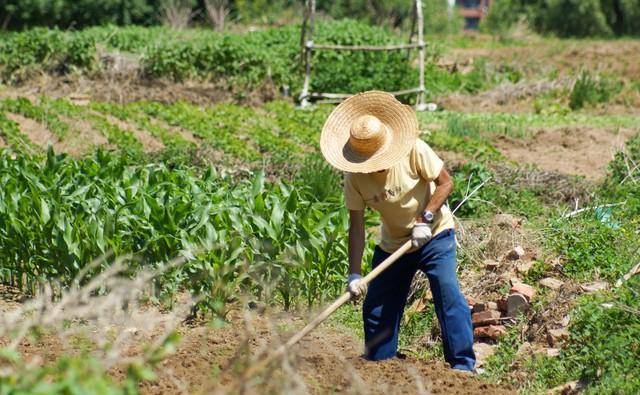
point(575, 212)
point(469, 195)
point(217, 12)
point(176, 13)
point(280, 351)
point(99, 315)
point(634, 270)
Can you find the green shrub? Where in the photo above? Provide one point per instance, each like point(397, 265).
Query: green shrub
point(51, 50)
point(590, 90)
point(274, 54)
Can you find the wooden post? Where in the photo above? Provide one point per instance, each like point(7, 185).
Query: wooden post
point(308, 47)
point(420, 104)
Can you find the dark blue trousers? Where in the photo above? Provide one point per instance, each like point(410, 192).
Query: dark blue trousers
point(387, 295)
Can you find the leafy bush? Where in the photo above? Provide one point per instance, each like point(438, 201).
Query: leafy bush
point(589, 90)
point(274, 54)
point(51, 50)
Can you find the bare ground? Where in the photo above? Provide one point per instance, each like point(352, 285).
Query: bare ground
point(327, 361)
point(577, 150)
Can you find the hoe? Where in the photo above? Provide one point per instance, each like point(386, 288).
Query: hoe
point(325, 314)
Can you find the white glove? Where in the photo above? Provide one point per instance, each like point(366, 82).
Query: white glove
point(356, 286)
point(420, 234)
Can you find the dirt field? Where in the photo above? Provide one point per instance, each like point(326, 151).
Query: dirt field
point(327, 361)
point(576, 150)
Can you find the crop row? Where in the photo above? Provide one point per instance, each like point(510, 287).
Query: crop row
point(57, 214)
point(275, 133)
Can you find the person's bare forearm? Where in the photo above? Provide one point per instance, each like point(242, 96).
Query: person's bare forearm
point(439, 196)
point(356, 241)
point(444, 186)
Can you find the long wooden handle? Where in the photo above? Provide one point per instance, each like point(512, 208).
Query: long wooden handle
point(327, 312)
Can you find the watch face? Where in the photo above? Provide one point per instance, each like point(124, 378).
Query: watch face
point(428, 216)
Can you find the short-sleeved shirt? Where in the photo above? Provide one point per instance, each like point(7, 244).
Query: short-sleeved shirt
point(399, 194)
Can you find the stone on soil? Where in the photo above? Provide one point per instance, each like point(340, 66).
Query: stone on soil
point(516, 253)
point(524, 267)
point(516, 303)
point(483, 351)
point(595, 286)
point(507, 220)
point(551, 283)
point(553, 352)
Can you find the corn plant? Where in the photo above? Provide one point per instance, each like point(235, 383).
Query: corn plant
point(274, 240)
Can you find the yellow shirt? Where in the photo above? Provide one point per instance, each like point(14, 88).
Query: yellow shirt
point(399, 194)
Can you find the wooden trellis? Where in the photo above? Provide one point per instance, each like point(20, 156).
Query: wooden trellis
point(308, 46)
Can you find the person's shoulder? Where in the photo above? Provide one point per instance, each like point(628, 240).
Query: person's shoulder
point(422, 146)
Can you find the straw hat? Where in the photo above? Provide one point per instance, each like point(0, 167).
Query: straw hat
point(368, 132)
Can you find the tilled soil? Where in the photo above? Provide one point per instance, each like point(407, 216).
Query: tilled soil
point(575, 150)
point(326, 361)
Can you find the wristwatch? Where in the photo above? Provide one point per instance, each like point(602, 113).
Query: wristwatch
point(427, 216)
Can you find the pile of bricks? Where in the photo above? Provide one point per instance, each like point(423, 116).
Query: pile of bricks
point(489, 318)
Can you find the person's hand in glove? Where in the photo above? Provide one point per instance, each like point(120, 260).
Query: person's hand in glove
point(356, 287)
point(420, 235)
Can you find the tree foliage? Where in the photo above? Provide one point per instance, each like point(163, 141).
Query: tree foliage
point(568, 18)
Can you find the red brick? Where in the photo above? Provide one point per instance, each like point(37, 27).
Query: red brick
point(523, 289)
point(493, 332)
point(484, 306)
point(488, 317)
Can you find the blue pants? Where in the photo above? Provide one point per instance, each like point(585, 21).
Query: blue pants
point(385, 301)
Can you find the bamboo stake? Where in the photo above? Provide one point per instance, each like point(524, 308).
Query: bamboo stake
point(420, 104)
point(391, 47)
point(280, 351)
point(308, 45)
point(347, 95)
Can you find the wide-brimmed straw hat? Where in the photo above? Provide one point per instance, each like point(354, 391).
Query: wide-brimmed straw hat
point(368, 132)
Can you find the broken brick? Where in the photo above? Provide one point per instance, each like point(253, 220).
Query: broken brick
point(488, 317)
point(484, 306)
point(493, 332)
point(491, 264)
point(502, 304)
point(525, 290)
